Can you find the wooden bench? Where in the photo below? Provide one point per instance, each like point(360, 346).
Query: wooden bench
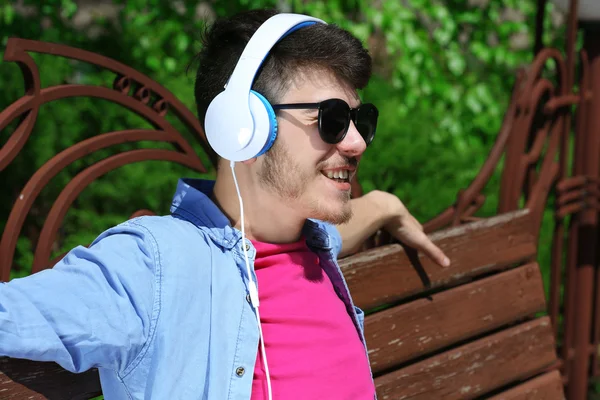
point(466, 332)
point(474, 330)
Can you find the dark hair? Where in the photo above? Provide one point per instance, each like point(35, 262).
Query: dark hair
point(311, 48)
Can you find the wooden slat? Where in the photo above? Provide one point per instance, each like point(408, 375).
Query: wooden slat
point(23, 379)
point(412, 330)
point(545, 387)
point(476, 368)
point(385, 274)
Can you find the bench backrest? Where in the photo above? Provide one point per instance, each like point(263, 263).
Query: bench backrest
point(130, 89)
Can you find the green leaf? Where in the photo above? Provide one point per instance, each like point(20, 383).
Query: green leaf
point(456, 63)
point(9, 13)
point(153, 62)
point(182, 42)
point(170, 64)
point(68, 8)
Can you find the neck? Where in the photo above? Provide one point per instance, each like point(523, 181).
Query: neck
point(266, 217)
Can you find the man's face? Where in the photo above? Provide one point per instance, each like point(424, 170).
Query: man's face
point(301, 168)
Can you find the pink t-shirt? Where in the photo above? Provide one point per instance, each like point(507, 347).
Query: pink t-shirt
point(312, 346)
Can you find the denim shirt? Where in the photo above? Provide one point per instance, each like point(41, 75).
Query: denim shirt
point(159, 304)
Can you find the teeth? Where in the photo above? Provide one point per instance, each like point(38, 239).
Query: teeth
point(343, 174)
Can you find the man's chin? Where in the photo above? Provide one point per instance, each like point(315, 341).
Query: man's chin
point(335, 217)
point(339, 219)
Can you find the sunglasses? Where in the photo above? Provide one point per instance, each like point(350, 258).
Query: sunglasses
point(335, 116)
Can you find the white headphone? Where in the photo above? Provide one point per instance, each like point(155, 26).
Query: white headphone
point(240, 123)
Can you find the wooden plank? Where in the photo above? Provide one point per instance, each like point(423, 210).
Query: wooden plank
point(474, 369)
point(386, 275)
point(547, 387)
point(422, 326)
point(24, 379)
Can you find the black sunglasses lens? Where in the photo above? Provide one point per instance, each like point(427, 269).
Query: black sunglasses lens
point(334, 119)
point(366, 121)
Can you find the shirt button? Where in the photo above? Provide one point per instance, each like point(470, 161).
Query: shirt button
point(247, 247)
point(248, 298)
point(240, 371)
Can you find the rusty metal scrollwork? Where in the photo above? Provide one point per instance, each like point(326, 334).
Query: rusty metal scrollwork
point(534, 140)
point(531, 139)
point(149, 100)
point(470, 200)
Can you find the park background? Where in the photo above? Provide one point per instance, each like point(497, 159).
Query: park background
point(443, 76)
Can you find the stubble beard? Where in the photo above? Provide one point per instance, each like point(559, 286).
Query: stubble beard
point(282, 176)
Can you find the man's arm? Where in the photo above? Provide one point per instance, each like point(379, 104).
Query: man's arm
point(93, 309)
point(381, 210)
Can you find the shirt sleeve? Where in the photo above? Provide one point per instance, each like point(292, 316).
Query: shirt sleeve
point(93, 309)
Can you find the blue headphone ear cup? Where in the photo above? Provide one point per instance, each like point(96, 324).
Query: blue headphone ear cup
point(272, 121)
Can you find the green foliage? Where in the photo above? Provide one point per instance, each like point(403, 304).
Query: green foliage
point(443, 76)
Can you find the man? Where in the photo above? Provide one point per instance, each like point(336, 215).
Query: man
point(164, 306)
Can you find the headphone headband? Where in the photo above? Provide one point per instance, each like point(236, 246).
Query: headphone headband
point(260, 44)
point(233, 128)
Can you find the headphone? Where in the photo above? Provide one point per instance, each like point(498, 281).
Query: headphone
point(240, 123)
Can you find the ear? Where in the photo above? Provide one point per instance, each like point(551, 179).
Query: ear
point(250, 161)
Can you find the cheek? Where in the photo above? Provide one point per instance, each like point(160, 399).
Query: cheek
point(301, 134)
point(303, 145)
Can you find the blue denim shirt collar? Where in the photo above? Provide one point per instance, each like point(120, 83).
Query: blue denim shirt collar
point(192, 201)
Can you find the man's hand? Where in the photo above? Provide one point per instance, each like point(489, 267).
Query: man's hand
point(404, 227)
point(381, 210)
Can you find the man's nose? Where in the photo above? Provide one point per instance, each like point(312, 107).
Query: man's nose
point(353, 144)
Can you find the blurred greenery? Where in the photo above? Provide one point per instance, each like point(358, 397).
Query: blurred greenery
point(444, 71)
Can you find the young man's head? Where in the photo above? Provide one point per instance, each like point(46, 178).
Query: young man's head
point(312, 64)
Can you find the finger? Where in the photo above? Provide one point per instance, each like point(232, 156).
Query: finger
point(421, 242)
point(435, 253)
point(408, 219)
point(417, 223)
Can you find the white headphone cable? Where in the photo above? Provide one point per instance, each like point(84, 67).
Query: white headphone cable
point(252, 287)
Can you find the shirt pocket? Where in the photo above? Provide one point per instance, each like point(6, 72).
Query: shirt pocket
point(360, 316)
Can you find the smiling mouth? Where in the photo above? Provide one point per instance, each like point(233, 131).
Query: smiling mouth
point(338, 176)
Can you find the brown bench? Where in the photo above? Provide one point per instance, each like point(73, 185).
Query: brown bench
point(475, 330)
point(466, 332)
